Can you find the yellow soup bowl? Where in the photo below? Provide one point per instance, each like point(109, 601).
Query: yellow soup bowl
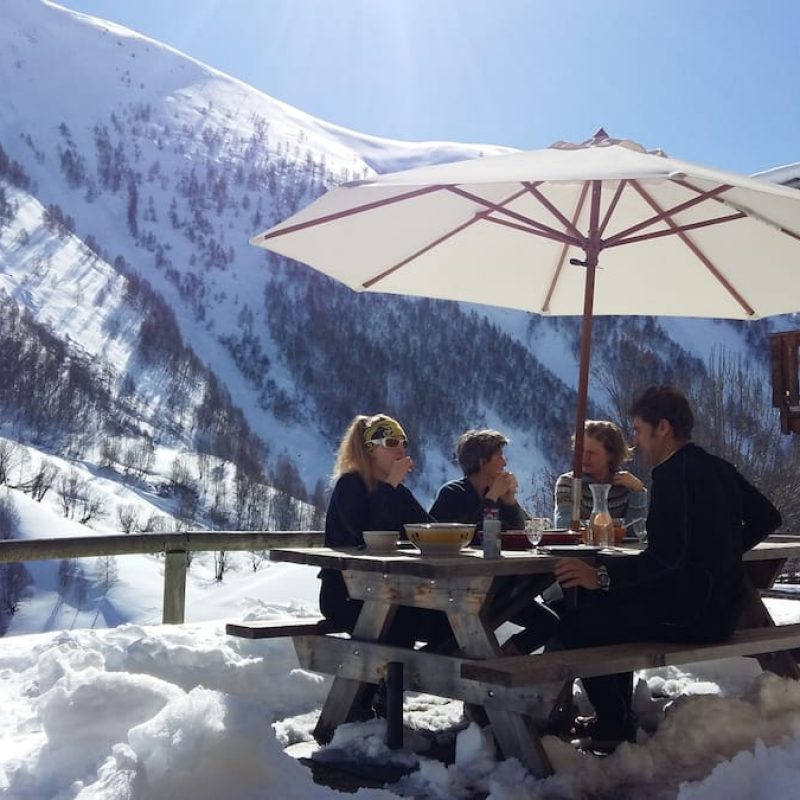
point(440, 538)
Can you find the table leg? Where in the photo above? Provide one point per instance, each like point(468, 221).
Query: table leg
point(346, 695)
point(515, 733)
point(761, 575)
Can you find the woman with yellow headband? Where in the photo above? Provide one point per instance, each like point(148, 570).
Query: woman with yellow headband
point(368, 494)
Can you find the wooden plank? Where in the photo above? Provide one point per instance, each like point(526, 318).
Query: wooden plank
point(756, 615)
point(466, 563)
point(518, 738)
point(512, 729)
point(422, 672)
point(15, 550)
point(591, 661)
point(470, 563)
point(464, 595)
point(773, 549)
point(283, 626)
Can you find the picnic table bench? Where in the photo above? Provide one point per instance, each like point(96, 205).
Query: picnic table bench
point(513, 690)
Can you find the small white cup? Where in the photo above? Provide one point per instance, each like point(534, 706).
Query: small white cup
point(380, 541)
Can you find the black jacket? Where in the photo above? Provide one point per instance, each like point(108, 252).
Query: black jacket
point(458, 501)
point(353, 509)
point(703, 516)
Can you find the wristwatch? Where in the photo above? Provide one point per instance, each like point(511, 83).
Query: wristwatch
point(603, 578)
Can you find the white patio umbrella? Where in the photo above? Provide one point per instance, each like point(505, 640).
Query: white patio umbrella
point(603, 227)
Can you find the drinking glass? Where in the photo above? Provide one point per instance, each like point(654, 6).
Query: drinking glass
point(639, 529)
point(534, 528)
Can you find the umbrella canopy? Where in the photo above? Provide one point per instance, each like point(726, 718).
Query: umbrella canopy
point(603, 227)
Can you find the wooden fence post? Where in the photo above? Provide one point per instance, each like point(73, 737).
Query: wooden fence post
point(174, 587)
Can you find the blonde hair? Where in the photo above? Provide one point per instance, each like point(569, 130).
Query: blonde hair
point(610, 436)
point(353, 453)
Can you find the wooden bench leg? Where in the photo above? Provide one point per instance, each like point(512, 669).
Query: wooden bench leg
point(347, 696)
point(515, 733)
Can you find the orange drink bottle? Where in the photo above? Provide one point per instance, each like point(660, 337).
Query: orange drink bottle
point(601, 523)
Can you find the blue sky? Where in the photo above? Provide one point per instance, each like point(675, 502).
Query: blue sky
point(714, 81)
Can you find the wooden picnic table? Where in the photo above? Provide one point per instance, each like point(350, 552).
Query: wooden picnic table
point(464, 586)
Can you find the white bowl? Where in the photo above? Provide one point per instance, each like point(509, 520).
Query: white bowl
point(440, 538)
point(380, 541)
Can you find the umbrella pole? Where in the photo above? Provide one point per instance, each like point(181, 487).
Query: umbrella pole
point(592, 253)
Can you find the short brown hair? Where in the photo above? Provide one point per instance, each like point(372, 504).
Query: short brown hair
point(475, 446)
point(663, 402)
point(610, 436)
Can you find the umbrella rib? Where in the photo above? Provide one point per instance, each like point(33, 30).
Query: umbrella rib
point(663, 215)
point(564, 250)
point(612, 206)
point(368, 284)
point(695, 249)
point(546, 234)
point(348, 212)
point(679, 229)
point(534, 225)
point(569, 226)
point(746, 211)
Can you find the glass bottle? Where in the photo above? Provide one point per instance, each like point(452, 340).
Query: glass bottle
point(601, 523)
point(491, 532)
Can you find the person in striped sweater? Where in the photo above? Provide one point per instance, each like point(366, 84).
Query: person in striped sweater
point(604, 453)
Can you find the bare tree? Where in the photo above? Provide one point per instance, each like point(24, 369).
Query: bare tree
point(128, 518)
point(91, 504)
point(42, 480)
point(541, 499)
point(78, 499)
point(10, 453)
point(220, 564)
point(107, 570)
point(318, 503)
point(68, 489)
point(180, 474)
point(110, 452)
point(14, 580)
point(155, 523)
point(9, 517)
point(138, 457)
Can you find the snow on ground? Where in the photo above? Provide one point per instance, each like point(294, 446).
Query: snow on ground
point(138, 712)
point(145, 712)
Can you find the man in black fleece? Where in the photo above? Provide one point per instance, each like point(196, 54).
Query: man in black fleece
point(688, 584)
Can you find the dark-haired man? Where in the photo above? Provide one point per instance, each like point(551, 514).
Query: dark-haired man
point(486, 482)
point(688, 584)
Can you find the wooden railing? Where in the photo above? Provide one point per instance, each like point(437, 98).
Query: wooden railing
point(175, 546)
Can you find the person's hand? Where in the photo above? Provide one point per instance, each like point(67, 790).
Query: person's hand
point(504, 487)
point(572, 572)
point(628, 480)
point(399, 470)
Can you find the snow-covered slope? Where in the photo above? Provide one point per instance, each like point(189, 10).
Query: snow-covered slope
point(167, 166)
point(108, 591)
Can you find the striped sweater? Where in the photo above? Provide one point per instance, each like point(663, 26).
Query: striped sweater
point(622, 502)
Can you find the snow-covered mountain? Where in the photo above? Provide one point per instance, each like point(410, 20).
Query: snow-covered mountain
point(132, 179)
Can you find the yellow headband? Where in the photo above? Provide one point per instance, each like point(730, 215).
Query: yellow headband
point(381, 426)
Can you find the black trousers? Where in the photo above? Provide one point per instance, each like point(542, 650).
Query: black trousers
point(598, 620)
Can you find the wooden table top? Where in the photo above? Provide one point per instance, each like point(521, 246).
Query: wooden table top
point(470, 562)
